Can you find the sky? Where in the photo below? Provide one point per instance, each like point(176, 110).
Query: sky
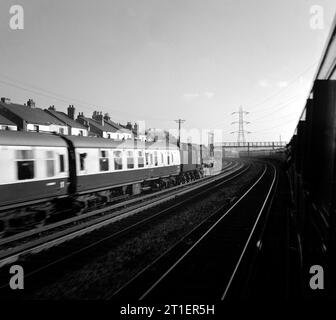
point(161, 60)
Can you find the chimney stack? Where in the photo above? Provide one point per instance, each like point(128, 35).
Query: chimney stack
point(31, 103)
point(71, 111)
point(107, 117)
point(80, 115)
point(81, 120)
point(52, 108)
point(129, 125)
point(98, 116)
point(5, 100)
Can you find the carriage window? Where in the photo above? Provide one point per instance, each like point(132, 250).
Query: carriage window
point(172, 157)
point(168, 158)
point(155, 158)
point(141, 160)
point(147, 158)
point(61, 163)
point(130, 160)
point(117, 160)
point(50, 162)
point(162, 161)
point(103, 161)
point(82, 157)
point(25, 164)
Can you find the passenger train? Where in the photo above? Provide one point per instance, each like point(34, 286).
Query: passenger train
point(46, 174)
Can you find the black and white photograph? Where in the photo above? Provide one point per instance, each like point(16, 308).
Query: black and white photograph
point(168, 157)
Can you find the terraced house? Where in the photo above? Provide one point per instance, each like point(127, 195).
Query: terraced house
point(30, 118)
point(75, 128)
point(103, 126)
point(6, 124)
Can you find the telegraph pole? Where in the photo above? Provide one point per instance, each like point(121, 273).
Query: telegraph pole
point(179, 121)
point(211, 144)
point(241, 131)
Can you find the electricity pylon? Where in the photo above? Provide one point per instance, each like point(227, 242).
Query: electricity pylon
point(241, 131)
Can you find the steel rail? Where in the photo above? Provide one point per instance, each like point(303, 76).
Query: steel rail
point(65, 235)
point(36, 231)
point(202, 237)
point(250, 235)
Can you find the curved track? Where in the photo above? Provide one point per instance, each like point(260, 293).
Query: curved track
point(40, 267)
point(207, 269)
point(48, 236)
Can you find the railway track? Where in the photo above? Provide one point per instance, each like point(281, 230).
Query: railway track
point(116, 205)
point(136, 222)
point(208, 263)
point(13, 247)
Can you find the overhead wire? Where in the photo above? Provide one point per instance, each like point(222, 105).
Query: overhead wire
point(66, 99)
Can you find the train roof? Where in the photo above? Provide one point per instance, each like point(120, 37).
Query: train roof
point(93, 142)
point(19, 138)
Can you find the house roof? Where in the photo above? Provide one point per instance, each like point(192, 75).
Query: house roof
point(5, 121)
point(106, 127)
point(31, 115)
point(67, 120)
point(118, 127)
point(138, 134)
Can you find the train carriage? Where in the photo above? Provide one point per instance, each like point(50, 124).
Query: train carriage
point(33, 167)
point(46, 174)
point(102, 163)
